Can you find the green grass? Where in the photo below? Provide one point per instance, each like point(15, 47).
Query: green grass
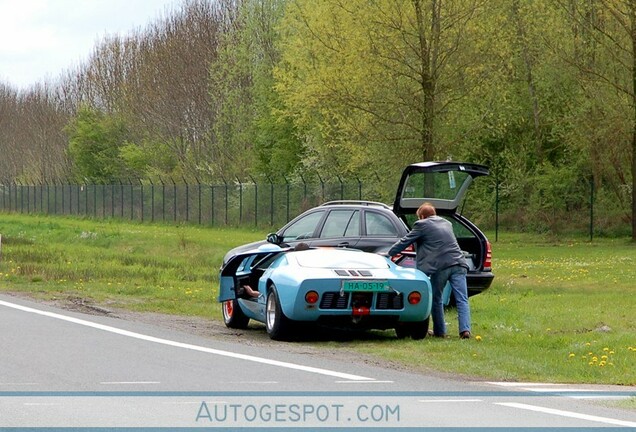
point(558, 311)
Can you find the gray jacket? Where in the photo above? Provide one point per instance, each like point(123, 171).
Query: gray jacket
point(435, 245)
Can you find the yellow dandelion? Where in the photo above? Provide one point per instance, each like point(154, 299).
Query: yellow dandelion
point(587, 344)
point(571, 355)
point(477, 338)
point(605, 349)
point(604, 357)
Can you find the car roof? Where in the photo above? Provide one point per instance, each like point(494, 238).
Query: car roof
point(356, 203)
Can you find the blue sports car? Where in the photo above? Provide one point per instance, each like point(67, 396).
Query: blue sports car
point(283, 287)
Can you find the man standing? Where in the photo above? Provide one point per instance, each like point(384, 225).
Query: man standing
point(439, 256)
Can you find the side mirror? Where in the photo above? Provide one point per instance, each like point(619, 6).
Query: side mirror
point(274, 238)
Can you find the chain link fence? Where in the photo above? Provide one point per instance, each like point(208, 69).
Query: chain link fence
point(229, 204)
point(273, 204)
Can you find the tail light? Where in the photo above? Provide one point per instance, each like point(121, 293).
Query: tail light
point(414, 298)
point(409, 248)
point(311, 297)
point(488, 257)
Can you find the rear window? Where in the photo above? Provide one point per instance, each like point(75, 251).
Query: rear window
point(459, 230)
point(435, 185)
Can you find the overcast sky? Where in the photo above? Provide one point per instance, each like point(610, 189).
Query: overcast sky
point(40, 39)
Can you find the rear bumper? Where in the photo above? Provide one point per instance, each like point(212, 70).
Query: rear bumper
point(478, 282)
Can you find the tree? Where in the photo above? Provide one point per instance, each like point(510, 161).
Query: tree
point(604, 35)
point(370, 83)
point(95, 140)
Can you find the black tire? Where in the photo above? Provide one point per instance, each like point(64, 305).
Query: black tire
point(402, 331)
point(233, 315)
point(277, 324)
point(417, 330)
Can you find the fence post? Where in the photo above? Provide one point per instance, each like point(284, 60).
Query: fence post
point(359, 189)
point(78, 199)
point(240, 201)
point(212, 204)
point(341, 187)
point(271, 201)
point(85, 198)
point(187, 197)
point(132, 199)
point(174, 196)
point(287, 188)
point(152, 200)
point(94, 200)
point(47, 197)
point(496, 208)
point(304, 187)
point(163, 199)
point(592, 208)
point(322, 188)
point(226, 200)
point(141, 193)
point(255, 201)
point(199, 197)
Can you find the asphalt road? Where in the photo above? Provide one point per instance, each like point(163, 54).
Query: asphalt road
point(66, 369)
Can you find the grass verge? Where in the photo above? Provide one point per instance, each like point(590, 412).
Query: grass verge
point(557, 311)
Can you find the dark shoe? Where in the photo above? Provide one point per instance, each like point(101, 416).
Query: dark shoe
point(464, 335)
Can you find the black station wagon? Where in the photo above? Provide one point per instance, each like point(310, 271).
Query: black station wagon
point(374, 227)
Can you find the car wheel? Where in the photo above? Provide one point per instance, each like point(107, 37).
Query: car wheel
point(402, 331)
point(417, 330)
point(277, 324)
point(233, 315)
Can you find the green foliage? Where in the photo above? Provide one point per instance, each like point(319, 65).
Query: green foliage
point(248, 131)
point(94, 142)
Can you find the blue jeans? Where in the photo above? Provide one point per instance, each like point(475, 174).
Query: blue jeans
point(456, 275)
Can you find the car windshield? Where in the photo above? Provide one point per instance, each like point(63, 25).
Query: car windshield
point(339, 259)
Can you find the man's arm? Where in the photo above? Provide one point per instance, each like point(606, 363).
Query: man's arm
point(405, 241)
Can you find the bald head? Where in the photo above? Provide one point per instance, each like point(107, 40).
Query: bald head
point(425, 210)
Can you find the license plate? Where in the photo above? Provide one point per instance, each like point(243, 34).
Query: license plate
point(365, 285)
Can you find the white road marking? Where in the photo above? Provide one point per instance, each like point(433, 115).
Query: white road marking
point(17, 384)
point(560, 390)
point(366, 381)
point(568, 414)
point(252, 382)
point(448, 400)
point(168, 342)
point(520, 384)
point(554, 388)
point(129, 382)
